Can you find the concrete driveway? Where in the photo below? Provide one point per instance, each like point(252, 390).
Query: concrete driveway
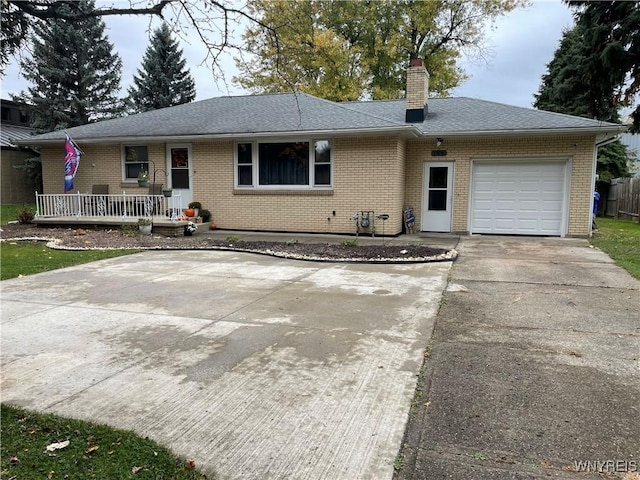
point(254, 367)
point(534, 369)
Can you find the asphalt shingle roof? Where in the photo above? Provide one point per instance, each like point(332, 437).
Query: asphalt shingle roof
point(463, 114)
point(298, 113)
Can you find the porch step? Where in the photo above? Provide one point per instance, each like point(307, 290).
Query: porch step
point(169, 228)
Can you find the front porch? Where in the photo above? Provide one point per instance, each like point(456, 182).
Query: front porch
point(103, 210)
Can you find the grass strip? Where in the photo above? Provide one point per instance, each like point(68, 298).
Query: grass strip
point(620, 239)
point(21, 258)
point(93, 452)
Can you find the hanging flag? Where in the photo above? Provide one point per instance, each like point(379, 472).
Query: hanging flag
point(71, 162)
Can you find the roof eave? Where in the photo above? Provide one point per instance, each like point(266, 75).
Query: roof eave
point(613, 129)
point(409, 130)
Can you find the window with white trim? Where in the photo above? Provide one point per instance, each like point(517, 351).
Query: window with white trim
point(283, 164)
point(135, 159)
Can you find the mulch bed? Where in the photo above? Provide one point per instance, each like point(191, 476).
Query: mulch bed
point(85, 239)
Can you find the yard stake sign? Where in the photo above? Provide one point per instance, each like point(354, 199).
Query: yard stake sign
point(71, 162)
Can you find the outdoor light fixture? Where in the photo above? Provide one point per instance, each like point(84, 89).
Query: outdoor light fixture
point(439, 141)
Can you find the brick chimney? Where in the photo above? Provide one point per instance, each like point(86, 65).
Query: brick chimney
point(417, 92)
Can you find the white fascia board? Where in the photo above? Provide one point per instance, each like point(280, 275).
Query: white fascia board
point(406, 130)
point(607, 132)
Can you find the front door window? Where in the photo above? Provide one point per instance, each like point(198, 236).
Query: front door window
point(438, 188)
point(180, 168)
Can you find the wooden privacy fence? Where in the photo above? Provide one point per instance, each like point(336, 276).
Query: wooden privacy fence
point(624, 198)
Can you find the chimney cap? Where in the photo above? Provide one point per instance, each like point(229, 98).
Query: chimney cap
point(417, 62)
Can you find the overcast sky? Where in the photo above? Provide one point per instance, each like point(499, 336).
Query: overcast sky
point(520, 43)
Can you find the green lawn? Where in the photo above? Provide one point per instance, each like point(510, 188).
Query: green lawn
point(94, 451)
point(29, 257)
point(9, 212)
point(620, 239)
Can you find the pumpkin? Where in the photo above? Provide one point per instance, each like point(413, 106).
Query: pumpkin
point(189, 212)
point(212, 226)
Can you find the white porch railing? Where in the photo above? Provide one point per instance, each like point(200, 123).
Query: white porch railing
point(123, 205)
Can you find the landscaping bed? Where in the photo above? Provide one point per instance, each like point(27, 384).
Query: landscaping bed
point(82, 239)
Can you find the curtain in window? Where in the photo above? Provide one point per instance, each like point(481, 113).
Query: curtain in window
point(284, 163)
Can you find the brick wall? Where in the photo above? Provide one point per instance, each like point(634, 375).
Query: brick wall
point(99, 165)
point(461, 151)
point(379, 174)
point(368, 175)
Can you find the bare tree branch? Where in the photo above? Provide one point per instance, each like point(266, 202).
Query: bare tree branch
point(211, 21)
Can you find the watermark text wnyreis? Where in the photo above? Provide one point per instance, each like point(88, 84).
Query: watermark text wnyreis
point(606, 466)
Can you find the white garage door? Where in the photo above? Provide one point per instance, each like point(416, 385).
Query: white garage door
point(518, 198)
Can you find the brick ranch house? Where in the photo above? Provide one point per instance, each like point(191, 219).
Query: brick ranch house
point(295, 163)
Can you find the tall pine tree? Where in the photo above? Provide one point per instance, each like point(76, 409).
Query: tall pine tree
point(163, 80)
point(75, 75)
point(589, 71)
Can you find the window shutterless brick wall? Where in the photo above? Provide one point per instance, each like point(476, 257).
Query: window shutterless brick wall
point(368, 175)
point(99, 165)
point(379, 174)
point(461, 151)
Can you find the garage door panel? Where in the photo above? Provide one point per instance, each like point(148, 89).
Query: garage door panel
point(518, 198)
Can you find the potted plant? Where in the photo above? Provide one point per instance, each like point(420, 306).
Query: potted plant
point(196, 206)
point(145, 225)
point(143, 178)
point(167, 191)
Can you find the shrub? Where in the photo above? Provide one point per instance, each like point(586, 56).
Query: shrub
point(129, 230)
point(350, 243)
point(25, 216)
point(197, 205)
point(206, 216)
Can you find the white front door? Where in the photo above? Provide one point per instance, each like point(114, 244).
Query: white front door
point(437, 188)
point(180, 164)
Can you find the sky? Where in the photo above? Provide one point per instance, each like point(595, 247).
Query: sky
point(520, 45)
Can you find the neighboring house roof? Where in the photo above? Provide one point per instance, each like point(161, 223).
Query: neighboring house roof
point(9, 133)
point(299, 113)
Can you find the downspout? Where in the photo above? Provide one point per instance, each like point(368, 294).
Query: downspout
point(594, 167)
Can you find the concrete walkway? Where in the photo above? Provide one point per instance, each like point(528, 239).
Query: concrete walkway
point(534, 367)
point(254, 367)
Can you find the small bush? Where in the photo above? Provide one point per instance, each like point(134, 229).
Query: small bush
point(129, 230)
point(206, 216)
point(197, 205)
point(25, 216)
point(292, 241)
point(350, 243)
point(232, 239)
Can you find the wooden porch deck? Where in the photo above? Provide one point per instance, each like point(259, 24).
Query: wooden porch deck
point(97, 210)
point(162, 225)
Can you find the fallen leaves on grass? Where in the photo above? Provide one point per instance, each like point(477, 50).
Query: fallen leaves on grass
point(57, 446)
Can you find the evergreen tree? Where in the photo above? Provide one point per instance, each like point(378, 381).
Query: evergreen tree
point(589, 72)
point(76, 76)
point(570, 85)
point(163, 80)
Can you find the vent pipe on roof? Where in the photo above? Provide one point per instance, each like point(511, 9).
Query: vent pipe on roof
point(417, 91)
